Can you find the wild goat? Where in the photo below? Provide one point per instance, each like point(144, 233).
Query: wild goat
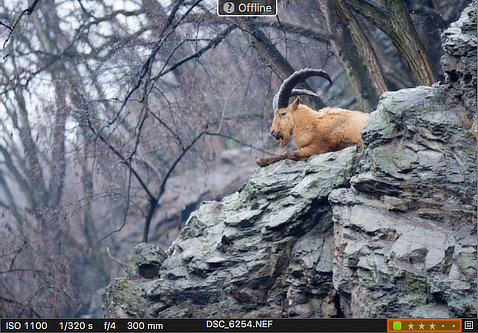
point(314, 132)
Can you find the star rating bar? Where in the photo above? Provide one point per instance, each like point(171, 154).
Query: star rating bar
point(424, 325)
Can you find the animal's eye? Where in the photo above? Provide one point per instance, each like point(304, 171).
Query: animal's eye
point(283, 114)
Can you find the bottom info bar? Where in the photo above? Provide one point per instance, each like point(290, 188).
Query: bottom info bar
point(238, 325)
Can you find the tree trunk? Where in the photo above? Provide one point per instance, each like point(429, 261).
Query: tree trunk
point(406, 39)
point(397, 24)
point(344, 49)
point(363, 45)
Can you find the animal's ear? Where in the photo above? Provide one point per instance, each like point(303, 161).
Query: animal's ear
point(294, 105)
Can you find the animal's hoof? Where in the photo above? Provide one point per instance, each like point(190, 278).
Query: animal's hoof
point(261, 162)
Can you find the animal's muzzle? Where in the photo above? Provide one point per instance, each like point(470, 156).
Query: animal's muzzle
point(277, 135)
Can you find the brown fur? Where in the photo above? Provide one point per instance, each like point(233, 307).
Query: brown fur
point(314, 132)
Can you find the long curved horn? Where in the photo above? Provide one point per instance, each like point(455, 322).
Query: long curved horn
point(296, 92)
point(281, 99)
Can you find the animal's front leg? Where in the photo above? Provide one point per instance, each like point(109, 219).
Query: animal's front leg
point(295, 155)
point(265, 161)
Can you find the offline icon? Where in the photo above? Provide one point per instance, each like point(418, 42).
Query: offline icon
point(228, 7)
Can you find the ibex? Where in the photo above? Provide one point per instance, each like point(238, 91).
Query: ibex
point(314, 132)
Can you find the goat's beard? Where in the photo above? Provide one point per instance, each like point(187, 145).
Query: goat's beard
point(285, 140)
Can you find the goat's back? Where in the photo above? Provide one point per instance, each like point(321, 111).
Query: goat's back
point(333, 127)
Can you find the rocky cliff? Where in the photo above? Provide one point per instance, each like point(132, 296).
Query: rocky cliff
point(383, 230)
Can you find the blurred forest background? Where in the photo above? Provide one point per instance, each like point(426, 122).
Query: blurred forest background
point(118, 117)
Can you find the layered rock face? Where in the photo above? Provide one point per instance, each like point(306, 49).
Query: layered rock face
point(266, 247)
point(383, 230)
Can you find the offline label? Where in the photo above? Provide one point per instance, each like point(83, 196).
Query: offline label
point(246, 7)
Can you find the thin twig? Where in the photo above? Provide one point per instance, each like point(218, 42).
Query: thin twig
point(212, 44)
point(154, 202)
point(123, 159)
point(145, 69)
point(27, 11)
point(115, 259)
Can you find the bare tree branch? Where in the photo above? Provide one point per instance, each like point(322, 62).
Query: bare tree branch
point(123, 159)
point(212, 44)
point(395, 21)
point(347, 55)
point(27, 11)
point(363, 45)
point(153, 202)
point(146, 68)
point(274, 59)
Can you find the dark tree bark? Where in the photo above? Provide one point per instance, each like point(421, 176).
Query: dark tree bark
point(349, 58)
point(363, 45)
point(295, 28)
point(397, 24)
